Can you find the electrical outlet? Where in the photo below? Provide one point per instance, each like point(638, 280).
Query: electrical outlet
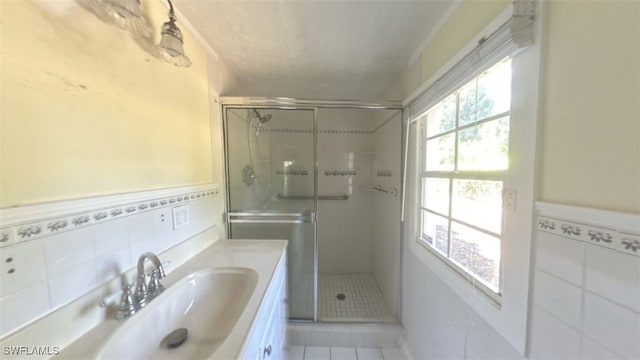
point(180, 216)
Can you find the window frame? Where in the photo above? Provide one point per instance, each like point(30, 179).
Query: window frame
point(510, 317)
point(455, 174)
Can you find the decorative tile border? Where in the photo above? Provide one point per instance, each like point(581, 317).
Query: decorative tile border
point(292, 172)
point(337, 131)
point(6, 236)
point(348, 172)
point(587, 231)
point(383, 173)
point(40, 224)
point(320, 131)
point(275, 130)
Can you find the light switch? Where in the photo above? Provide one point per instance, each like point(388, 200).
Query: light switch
point(180, 216)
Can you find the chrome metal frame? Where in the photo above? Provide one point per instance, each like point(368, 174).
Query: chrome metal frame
point(316, 268)
point(294, 104)
point(282, 103)
point(405, 127)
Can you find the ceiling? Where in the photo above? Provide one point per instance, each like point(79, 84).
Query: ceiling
point(314, 49)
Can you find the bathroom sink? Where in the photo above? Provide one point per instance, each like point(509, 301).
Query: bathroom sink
point(207, 303)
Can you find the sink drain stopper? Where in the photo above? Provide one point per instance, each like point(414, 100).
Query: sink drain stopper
point(341, 296)
point(175, 338)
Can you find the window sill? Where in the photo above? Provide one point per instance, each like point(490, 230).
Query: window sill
point(493, 298)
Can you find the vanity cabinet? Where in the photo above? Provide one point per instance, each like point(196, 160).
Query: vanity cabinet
point(267, 340)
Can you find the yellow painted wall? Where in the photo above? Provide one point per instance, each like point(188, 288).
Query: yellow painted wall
point(86, 111)
point(464, 24)
point(590, 138)
point(591, 117)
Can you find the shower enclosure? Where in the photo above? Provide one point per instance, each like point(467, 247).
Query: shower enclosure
point(325, 176)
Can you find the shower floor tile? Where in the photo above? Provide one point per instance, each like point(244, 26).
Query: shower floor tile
point(351, 298)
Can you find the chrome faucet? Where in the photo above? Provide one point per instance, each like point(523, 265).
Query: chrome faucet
point(146, 292)
point(137, 294)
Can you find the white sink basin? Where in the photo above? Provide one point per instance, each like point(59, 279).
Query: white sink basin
point(207, 303)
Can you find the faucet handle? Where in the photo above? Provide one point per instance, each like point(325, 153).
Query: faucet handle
point(141, 291)
point(127, 305)
point(154, 287)
point(165, 265)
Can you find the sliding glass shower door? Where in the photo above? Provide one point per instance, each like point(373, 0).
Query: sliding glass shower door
point(271, 177)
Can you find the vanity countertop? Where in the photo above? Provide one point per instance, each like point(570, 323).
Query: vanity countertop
point(260, 255)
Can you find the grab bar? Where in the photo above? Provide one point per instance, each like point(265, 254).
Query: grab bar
point(309, 197)
point(269, 213)
point(270, 217)
point(247, 221)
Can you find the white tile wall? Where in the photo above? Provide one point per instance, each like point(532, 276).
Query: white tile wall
point(68, 250)
point(382, 342)
point(613, 275)
point(564, 259)
point(345, 353)
point(21, 266)
point(22, 306)
point(558, 298)
point(553, 339)
point(345, 335)
point(440, 325)
point(109, 266)
point(67, 285)
point(139, 247)
point(592, 350)
point(42, 274)
point(613, 326)
point(586, 301)
point(345, 227)
point(481, 343)
point(110, 236)
point(386, 208)
point(140, 227)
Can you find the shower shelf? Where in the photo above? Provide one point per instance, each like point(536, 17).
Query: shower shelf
point(380, 188)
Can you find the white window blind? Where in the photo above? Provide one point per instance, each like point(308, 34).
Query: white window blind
point(513, 35)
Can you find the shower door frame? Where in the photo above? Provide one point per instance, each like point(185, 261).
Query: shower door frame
point(282, 103)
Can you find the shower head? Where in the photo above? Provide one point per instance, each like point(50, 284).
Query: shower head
point(262, 118)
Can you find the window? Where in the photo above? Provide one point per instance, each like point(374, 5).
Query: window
point(464, 144)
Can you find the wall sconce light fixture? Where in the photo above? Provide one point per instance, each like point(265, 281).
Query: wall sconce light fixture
point(171, 48)
point(127, 15)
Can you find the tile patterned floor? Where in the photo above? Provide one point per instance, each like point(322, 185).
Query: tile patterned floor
point(344, 353)
point(363, 301)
